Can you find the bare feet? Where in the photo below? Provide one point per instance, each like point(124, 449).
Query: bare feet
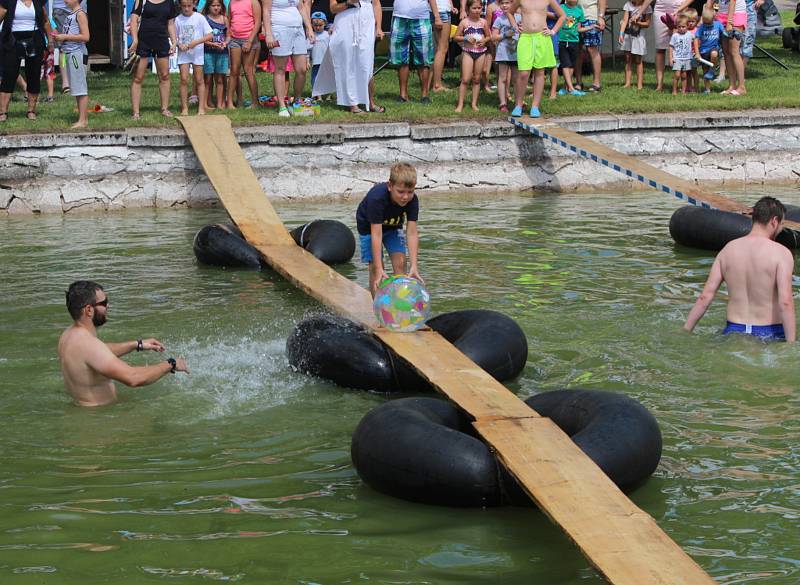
point(210, 107)
point(475, 108)
point(201, 112)
point(136, 116)
point(183, 112)
point(439, 88)
point(79, 124)
point(459, 108)
point(627, 86)
point(166, 113)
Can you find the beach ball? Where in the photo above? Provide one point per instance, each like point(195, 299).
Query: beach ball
point(402, 304)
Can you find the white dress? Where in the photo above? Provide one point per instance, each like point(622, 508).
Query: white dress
point(347, 66)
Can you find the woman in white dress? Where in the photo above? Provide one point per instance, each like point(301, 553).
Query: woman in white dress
point(348, 65)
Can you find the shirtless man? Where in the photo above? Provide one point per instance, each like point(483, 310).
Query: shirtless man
point(90, 366)
point(534, 49)
point(758, 272)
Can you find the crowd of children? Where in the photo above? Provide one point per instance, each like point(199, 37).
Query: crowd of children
point(523, 38)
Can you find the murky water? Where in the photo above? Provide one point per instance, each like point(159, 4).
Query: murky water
point(241, 471)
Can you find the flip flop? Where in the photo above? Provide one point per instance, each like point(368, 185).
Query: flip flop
point(136, 117)
point(31, 115)
point(167, 114)
point(378, 109)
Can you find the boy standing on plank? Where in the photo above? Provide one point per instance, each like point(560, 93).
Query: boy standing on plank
point(534, 49)
point(380, 219)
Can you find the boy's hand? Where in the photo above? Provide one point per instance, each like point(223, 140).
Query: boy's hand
point(547, 32)
point(414, 273)
point(376, 282)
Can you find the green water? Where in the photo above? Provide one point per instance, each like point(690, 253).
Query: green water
point(240, 472)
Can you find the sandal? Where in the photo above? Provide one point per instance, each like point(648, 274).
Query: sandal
point(166, 113)
point(377, 109)
point(595, 89)
point(356, 110)
point(31, 115)
point(3, 117)
point(65, 91)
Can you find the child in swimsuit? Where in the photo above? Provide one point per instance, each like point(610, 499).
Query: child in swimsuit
point(473, 34)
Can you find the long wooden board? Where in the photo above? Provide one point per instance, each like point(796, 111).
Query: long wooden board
point(621, 541)
point(633, 167)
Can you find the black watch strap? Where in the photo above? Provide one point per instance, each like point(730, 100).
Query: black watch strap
point(173, 363)
point(139, 345)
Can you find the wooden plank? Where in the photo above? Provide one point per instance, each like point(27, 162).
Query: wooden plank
point(623, 543)
point(633, 167)
point(609, 529)
point(234, 181)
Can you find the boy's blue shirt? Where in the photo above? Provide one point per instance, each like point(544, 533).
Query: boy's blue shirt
point(709, 36)
point(378, 207)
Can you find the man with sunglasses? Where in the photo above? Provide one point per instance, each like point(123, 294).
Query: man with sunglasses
point(90, 366)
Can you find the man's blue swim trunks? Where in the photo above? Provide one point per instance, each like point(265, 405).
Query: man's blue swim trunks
point(764, 331)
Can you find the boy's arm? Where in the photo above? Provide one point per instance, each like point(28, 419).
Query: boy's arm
point(412, 237)
point(561, 17)
point(696, 47)
point(601, 14)
point(376, 266)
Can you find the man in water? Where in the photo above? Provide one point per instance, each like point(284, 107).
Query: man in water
point(90, 366)
point(758, 272)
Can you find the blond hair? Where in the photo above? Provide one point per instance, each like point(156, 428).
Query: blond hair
point(690, 13)
point(403, 174)
point(682, 19)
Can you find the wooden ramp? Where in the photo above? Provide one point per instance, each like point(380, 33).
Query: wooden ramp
point(632, 167)
point(621, 541)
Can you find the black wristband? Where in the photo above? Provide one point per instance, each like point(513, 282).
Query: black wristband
point(173, 363)
point(139, 345)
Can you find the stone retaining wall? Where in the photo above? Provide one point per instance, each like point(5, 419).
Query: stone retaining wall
point(48, 173)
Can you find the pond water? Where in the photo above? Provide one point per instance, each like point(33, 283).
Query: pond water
point(241, 472)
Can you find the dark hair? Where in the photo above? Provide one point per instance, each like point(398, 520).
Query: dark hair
point(766, 208)
point(207, 6)
point(79, 294)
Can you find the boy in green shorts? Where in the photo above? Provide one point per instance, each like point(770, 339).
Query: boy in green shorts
point(534, 49)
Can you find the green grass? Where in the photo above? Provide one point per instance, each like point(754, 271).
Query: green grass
point(769, 86)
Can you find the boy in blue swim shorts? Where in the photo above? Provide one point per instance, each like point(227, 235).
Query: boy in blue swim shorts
point(758, 273)
point(379, 219)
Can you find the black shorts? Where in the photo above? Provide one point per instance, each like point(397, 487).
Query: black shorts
point(154, 45)
point(568, 54)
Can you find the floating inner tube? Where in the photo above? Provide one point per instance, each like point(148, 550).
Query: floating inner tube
point(329, 240)
point(711, 229)
point(222, 244)
point(346, 354)
point(425, 449)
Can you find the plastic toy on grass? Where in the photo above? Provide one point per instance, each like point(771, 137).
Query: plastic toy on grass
point(402, 304)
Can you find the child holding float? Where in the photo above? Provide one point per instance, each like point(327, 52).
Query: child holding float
point(379, 220)
point(707, 45)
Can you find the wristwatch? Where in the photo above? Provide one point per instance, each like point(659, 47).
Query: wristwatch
point(173, 363)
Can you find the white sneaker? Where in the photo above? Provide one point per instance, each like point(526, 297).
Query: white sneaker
point(718, 80)
point(284, 113)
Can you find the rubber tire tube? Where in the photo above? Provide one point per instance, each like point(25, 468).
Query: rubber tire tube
point(222, 244)
point(329, 240)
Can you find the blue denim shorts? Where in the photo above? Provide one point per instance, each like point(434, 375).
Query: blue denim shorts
point(216, 63)
point(443, 16)
point(393, 240)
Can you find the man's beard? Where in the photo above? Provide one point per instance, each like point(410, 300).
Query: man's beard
point(98, 319)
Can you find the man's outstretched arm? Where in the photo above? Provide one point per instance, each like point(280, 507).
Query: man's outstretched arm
point(704, 300)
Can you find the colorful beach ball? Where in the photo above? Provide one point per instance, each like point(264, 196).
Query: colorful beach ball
point(402, 304)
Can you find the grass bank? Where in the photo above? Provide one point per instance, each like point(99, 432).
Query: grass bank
point(769, 86)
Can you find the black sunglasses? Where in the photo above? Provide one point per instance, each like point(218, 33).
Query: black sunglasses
point(103, 303)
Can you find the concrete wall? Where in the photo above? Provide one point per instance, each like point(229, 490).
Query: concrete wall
point(157, 168)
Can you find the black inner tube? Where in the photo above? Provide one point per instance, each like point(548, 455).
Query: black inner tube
point(425, 449)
